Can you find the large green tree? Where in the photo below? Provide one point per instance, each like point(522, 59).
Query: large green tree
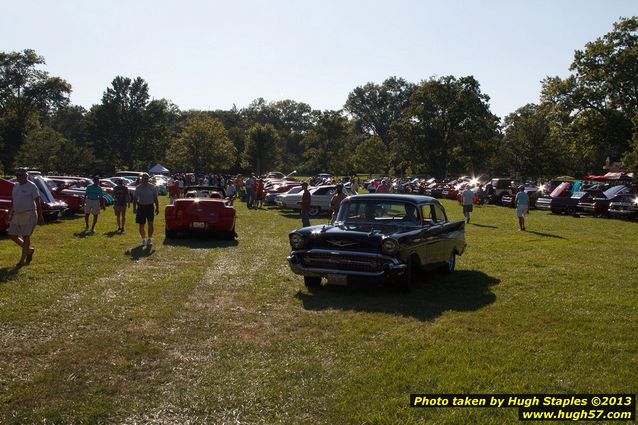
point(591, 110)
point(447, 128)
point(378, 106)
point(527, 149)
point(371, 156)
point(262, 149)
point(291, 119)
point(329, 146)
point(128, 130)
point(41, 150)
point(202, 146)
point(26, 93)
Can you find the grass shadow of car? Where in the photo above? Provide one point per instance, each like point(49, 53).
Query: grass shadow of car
point(200, 242)
point(463, 290)
point(297, 214)
point(68, 217)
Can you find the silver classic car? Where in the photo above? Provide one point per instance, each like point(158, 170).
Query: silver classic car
point(384, 237)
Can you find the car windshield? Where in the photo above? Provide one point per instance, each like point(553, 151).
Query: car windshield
point(579, 195)
point(379, 212)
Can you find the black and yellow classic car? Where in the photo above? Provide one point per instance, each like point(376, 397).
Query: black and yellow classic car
point(380, 238)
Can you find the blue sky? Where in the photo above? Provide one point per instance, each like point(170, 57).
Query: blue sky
point(212, 54)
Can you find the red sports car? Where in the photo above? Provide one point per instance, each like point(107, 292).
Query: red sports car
point(204, 209)
point(61, 191)
point(4, 214)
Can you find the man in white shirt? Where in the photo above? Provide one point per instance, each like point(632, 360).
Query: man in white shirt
point(468, 202)
point(24, 213)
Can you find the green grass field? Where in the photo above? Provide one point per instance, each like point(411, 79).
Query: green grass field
point(98, 329)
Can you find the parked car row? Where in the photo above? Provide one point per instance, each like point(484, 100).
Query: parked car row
point(618, 201)
point(51, 207)
point(599, 199)
point(65, 194)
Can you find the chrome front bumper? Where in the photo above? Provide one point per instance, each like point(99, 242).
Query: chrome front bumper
point(386, 267)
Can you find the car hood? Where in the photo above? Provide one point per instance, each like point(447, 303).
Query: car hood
point(360, 236)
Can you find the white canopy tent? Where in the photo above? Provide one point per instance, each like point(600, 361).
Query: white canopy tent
point(158, 169)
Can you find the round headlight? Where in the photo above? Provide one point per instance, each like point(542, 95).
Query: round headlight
point(297, 241)
point(390, 247)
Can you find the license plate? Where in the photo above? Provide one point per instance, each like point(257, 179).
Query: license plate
point(337, 279)
point(198, 225)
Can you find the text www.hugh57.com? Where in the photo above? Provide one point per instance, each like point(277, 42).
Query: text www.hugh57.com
point(579, 415)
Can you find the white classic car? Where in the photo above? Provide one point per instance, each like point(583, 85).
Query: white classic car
point(320, 197)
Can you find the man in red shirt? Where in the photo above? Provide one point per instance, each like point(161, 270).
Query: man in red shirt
point(174, 191)
point(259, 189)
point(305, 205)
point(384, 187)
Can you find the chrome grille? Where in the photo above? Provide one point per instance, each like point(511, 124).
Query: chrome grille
point(346, 262)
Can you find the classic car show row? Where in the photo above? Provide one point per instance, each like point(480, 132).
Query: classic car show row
point(390, 234)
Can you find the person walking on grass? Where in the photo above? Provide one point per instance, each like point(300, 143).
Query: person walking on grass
point(522, 206)
point(468, 202)
point(121, 199)
point(230, 192)
point(335, 202)
point(24, 213)
point(250, 192)
point(259, 193)
point(305, 205)
point(354, 184)
point(143, 200)
point(384, 187)
point(93, 203)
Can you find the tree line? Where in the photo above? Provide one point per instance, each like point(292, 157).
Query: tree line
point(439, 126)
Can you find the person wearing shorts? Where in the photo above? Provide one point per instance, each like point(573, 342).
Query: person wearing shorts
point(468, 202)
point(24, 213)
point(121, 199)
point(93, 203)
point(522, 206)
point(143, 200)
point(230, 192)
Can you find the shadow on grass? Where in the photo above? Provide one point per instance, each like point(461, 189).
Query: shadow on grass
point(69, 216)
point(200, 242)
point(140, 251)
point(8, 273)
point(296, 214)
point(113, 233)
point(546, 235)
point(461, 291)
point(484, 225)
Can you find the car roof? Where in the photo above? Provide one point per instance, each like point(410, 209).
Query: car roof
point(418, 199)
